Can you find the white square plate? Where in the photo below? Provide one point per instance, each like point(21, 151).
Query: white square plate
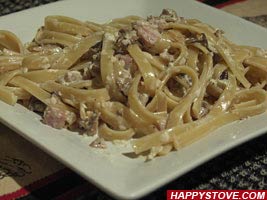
point(118, 175)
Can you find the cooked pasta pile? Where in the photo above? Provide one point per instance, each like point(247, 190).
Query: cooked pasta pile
point(163, 82)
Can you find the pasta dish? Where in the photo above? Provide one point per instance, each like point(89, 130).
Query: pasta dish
point(161, 82)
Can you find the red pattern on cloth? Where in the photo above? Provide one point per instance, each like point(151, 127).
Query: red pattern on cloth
point(228, 3)
point(218, 4)
point(36, 185)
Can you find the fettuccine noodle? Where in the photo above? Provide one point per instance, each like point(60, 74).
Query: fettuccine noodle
point(162, 82)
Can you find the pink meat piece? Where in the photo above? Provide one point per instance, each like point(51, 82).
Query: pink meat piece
point(55, 117)
point(127, 59)
point(148, 33)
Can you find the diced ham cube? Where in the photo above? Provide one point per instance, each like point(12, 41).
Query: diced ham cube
point(55, 117)
point(148, 33)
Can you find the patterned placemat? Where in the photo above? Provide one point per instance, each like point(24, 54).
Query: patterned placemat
point(11, 6)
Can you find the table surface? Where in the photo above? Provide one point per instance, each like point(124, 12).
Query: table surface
point(244, 167)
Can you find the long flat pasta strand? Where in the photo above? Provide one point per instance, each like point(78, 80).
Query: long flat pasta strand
point(106, 57)
point(10, 41)
point(144, 67)
point(52, 37)
point(68, 58)
point(7, 96)
point(32, 88)
point(203, 83)
point(110, 134)
point(6, 77)
point(137, 106)
point(233, 65)
point(107, 67)
point(66, 25)
point(40, 76)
